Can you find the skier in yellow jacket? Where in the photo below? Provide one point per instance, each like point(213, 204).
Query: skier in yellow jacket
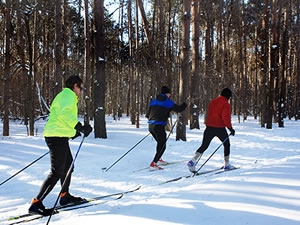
point(62, 125)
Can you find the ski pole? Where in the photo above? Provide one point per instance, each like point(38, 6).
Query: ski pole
point(125, 153)
point(67, 176)
point(169, 134)
point(24, 168)
point(211, 155)
point(171, 130)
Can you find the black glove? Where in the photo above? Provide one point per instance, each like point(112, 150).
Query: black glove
point(184, 105)
point(232, 131)
point(86, 129)
point(78, 134)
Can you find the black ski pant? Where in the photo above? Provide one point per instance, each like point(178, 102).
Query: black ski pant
point(159, 134)
point(209, 134)
point(61, 160)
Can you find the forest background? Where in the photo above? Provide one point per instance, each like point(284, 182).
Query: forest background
point(124, 56)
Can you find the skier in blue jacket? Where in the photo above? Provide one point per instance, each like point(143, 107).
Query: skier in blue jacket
point(158, 114)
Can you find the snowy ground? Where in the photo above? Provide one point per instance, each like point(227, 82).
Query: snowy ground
point(265, 190)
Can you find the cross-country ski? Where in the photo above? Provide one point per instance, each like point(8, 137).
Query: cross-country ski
point(84, 204)
point(91, 202)
point(213, 171)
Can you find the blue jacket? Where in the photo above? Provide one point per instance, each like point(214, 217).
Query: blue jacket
point(160, 108)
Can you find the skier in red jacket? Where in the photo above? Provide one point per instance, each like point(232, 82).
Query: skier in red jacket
point(218, 118)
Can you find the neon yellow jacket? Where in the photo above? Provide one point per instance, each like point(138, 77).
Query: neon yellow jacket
point(63, 115)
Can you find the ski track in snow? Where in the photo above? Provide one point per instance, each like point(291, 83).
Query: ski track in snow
point(265, 190)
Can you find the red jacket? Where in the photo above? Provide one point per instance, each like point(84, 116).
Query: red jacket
point(219, 113)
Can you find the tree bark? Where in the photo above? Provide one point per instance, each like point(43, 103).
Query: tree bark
point(99, 82)
point(185, 68)
point(274, 57)
point(195, 79)
point(297, 113)
point(264, 59)
point(7, 73)
point(58, 48)
point(87, 60)
point(131, 92)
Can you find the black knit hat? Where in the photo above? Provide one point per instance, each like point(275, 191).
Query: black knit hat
point(165, 90)
point(226, 92)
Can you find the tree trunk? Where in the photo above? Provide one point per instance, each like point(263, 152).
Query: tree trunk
point(274, 65)
point(21, 52)
point(282, 80)
point(34, 74)
point(87, 60)
point(297, 116)
point(264, 59)
point(58, 48)
point(99, 82)
point(209, 72)
point(185, 68)
point(152, 52)
point(137, 71)
point(131, 92)
point(194, 107)
point(7, 73)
